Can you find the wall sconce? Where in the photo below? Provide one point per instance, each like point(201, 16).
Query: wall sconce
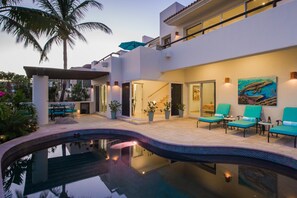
point(107, 83)
point(293, 75)
point(227, 80)
point(176, 33)
point(228, 177)
point(92, 86)
point(116, 83)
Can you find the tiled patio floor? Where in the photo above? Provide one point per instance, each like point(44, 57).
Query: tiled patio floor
point(179, 131)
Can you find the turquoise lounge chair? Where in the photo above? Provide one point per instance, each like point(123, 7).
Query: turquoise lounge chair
point(251, 116)
point(221, 112)
point(289, 124)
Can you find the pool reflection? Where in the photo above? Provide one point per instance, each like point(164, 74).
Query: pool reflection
point(113, 168)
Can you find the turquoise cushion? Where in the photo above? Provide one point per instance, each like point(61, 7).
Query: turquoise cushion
point(290, 114)
point(210, 119)
point(242, 124)
point(223, 109)
point(286, 130)
point(252, 111)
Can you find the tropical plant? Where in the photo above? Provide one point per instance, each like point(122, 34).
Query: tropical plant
point(151, 106)
point(17, 121)
point(60, 22)
point(167, 106)
point(13, 20)
point(79, 93)
point(114, 105)
point(181, 107)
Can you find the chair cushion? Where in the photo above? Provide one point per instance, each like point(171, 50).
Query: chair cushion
point(290, 114)
point(253, 111)
point(223, 109)
point(242, 124)
point(219, 115)
point(286, 130)
point(251, 119)
point(210, 119)
point(289, 123)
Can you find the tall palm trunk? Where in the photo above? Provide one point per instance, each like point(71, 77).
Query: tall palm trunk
point(64, 83)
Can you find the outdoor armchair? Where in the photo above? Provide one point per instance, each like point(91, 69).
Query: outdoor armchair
point(289, 124)
point(251, 117)
point(221, 112)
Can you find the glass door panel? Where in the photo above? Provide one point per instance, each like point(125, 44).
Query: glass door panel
point(208, 99)
point(195, 99)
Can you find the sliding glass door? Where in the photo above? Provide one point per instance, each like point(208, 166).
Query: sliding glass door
point(202, 98)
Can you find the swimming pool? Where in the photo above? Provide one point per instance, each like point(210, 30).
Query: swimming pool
point(127, 167)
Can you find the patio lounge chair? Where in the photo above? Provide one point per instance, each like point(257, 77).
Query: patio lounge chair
point(289, 124)
point(251, 116)
point(221, 112)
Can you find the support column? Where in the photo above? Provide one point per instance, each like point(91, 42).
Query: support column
point(40, 98)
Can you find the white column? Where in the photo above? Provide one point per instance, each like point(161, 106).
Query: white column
point(40, 98)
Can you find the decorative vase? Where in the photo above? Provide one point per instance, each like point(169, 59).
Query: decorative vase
point(167, 114)
point(180, 113)
point(113, 115)
point(151, 116)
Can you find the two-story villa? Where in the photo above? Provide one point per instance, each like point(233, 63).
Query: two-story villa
point(202, 54)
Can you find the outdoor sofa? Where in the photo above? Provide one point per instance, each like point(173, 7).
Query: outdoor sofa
point(289, 124)
point(221, 112)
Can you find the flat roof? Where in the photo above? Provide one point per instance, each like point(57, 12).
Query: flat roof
point(54, 73)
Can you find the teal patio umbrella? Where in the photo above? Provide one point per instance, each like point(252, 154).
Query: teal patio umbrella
point(131, 45)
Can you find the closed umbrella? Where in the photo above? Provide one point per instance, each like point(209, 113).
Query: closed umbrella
point(131, 45)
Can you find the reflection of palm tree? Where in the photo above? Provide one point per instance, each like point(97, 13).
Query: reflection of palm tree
point(15, 173)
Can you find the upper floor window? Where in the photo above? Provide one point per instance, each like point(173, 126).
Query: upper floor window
point(194, 29)
point(255, 3)
point(166, 40)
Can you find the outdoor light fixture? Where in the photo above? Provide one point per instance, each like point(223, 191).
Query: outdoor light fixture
point(176, 33)
point(293, 75)
point(92, 86)
point(228, 177)
point(107, 83)
point(116, 83)
point(227, 80)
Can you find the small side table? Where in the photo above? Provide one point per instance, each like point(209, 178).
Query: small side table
point(226, 120)
point(268, 124)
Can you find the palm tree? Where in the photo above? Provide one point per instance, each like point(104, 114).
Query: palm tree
point(63, 20)
point(16, 27)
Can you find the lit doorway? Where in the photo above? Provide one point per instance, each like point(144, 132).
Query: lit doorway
point(101, 98)
point(202, 99)
point(137, 100)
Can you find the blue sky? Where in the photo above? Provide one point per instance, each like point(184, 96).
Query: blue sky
point(129, 20)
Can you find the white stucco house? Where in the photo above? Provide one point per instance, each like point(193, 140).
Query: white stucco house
point(202, 53)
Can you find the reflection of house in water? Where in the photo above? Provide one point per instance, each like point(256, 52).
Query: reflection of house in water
point(125, 169)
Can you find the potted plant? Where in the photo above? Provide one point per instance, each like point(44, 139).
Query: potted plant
point(151, 108)
point(181, 108)
point(114, 106)
point(167, 107)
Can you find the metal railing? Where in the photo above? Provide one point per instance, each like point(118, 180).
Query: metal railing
point(245, 14)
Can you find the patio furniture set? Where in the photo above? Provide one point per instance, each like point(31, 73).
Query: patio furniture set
point(61, 109)
point(252, 118)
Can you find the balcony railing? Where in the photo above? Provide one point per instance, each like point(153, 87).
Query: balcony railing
point(245, 14)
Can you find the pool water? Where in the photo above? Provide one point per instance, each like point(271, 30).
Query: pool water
point(115, 168)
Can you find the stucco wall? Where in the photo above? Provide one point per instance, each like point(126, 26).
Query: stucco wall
point(278, 64)
point(273, 29)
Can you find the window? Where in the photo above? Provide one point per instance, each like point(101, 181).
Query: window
point(192, 30)
point(255, 3)
point(166, 40)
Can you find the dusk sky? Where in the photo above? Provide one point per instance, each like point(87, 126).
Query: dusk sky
point(129, 20)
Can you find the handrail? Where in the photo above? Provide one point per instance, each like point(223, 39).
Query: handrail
point(274, 2)
point(102, 59)
point(158, 90)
